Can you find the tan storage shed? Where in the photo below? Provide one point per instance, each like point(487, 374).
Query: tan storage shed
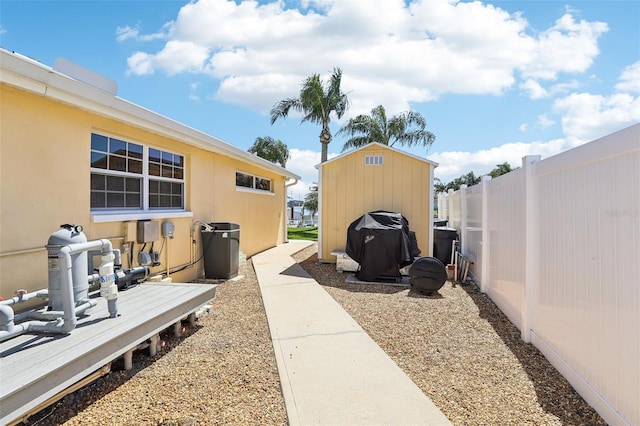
point(370, 178)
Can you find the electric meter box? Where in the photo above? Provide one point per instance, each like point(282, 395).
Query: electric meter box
point(148, 231)
point(167, 229)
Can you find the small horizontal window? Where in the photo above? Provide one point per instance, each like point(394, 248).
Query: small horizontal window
point(245, 180)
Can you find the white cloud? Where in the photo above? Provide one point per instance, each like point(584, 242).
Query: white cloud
point(140, 63)
point(396, 55)
point(302, 163)
point(586, 117)
point(193, 88)
point(176, 57)
point(567, 47)
point(534, 89)
point(126, 32)
point(629, 81)
point(453, 164)
point(544, 121)
point(391, 53)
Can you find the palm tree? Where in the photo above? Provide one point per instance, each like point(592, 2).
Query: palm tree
point(407, 128)
point(311, 202)
point(270, 149)
point(316, 102)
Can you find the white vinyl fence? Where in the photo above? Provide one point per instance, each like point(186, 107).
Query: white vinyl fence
point(556, 245)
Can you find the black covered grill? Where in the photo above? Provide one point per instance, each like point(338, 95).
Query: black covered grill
point(382, 244)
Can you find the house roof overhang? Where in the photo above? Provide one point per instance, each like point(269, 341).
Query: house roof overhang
point(32, 76)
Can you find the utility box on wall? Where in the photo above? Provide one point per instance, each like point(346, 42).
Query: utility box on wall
point(148, 231)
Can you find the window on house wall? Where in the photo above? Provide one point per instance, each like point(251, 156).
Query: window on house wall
point(245, 180)
point(131, 176)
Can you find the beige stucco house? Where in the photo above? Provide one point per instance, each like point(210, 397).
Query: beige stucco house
point(71, 151)
point(374, 177)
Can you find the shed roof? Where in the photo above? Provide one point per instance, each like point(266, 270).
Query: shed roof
point(30, 75)
point(377, 145)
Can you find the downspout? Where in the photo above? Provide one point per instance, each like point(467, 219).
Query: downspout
point(320, 215)
point(286, 186)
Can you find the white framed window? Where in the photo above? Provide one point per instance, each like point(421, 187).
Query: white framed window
point(248, 181)
point(131, 177)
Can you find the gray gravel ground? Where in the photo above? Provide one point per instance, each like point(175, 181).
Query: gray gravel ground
point(455, 345)
point(459, 348)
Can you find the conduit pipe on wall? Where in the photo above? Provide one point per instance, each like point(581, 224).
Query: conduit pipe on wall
point(108, 289)
point(23, 297)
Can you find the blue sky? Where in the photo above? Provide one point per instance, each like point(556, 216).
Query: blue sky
point(495, 80)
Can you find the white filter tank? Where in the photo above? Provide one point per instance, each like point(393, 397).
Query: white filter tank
point(67, 234)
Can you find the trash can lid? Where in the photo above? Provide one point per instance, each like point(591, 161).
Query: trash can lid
point(445, 228)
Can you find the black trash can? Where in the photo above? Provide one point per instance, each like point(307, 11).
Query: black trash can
point(221, 250)
point(443, 238)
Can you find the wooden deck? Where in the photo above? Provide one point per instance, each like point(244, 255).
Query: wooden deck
point(36, 367)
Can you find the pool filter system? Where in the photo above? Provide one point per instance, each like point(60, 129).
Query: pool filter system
point(69, 281)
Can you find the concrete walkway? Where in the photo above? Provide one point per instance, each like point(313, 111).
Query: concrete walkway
point(332, 372)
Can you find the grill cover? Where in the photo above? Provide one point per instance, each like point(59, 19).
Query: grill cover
point(379, 241)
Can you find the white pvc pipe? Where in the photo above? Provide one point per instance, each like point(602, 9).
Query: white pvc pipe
point(69, 321)
point(67, 280)
point(6, 318)
point(43, 294)
point(53, 315)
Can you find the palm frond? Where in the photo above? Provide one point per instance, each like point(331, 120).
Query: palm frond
point(356, 142)
point(281, 109)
